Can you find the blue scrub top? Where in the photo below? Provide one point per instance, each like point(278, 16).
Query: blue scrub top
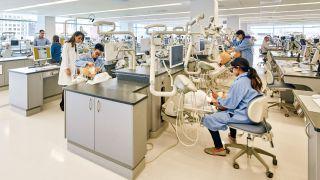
point(237, 102)
point(56, 52)
point(85, 58)
point(245, 47)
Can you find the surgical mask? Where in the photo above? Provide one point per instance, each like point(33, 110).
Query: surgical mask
point(238, 39)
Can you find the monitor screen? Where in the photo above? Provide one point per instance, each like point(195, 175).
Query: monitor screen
point(176, 56)
point(303, 42)
point(315, 41)
point(202, 45)
point(14, 42)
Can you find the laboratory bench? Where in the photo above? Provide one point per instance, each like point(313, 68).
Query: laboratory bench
point(11, 63)
point(311, 112)
point(30, 87)
point(106, 123)
point(299, 74)
point(284, 55)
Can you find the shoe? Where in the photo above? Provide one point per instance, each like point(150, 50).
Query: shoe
point(215, 152)
point(232, 140)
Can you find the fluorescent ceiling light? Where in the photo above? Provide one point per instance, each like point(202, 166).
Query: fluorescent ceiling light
point(147, 15)
point(126, 9)
point(268, 19)
point(40, 5)
point(274, 17)
point(270, 12)
point(279, 5)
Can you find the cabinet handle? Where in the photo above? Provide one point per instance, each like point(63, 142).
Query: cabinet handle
point(98, 106)
point(306, 130)
point(90, 104)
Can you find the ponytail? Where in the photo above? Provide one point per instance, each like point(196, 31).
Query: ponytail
point(256, 82)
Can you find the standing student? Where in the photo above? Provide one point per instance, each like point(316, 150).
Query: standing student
point(41, 40)
point(55, 50)
point(233, 108)
point(68, 66)
point(244, 46)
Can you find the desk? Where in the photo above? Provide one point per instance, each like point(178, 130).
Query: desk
point(289, 76)
point(106, 123)
point(312, 120)
point(29, 87)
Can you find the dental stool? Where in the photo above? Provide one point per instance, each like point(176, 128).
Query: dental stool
point(257, 112)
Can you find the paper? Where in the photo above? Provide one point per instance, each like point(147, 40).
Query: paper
point(310, 104)
point(0, 69)
point(317, 101)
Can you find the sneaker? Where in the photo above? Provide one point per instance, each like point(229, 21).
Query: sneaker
point(232, 140)
point(215, 152)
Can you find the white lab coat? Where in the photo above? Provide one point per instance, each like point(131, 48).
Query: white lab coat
point(69, 57)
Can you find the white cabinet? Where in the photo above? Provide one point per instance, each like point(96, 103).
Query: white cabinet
point(114, 132)
point(110, 129)
point(80, 119)
point(313, 152)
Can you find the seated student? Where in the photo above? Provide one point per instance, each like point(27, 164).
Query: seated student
point(93, 58)
point(233, 108)
point(265, 45)
point(56, 50)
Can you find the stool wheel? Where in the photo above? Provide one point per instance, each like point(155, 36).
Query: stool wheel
point(269, 174)
point(236, 165)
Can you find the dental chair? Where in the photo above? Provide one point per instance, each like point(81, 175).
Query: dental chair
point(257, 112)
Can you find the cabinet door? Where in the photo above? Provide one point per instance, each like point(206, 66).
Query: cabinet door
point(80, 119)
point(312, 153)
point(113, 130)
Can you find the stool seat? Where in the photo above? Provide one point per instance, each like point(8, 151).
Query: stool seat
point(258, 128)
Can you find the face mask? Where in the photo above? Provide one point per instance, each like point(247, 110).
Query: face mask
point(238, 39)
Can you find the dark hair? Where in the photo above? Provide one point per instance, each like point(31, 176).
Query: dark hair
point(41, 31)
point(241, 32)
point(72, 40)
point(99, 47)
point(243, 64)
point(55, 39)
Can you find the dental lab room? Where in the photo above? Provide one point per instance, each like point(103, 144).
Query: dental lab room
point(159, 90)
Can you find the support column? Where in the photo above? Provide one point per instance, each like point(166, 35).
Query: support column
point(244, 27)
point(233, 22)
point(208, 7)
point(47, 23)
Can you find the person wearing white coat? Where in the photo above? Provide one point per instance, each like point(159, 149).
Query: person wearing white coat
point(68, 66)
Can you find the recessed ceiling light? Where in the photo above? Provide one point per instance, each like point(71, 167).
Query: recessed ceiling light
point(278, 5)
point(40, 5)
point(126, 9)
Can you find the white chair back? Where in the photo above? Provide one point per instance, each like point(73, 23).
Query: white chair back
point(258, 109)
point(269, 77)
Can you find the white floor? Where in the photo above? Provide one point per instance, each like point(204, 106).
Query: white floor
point(34, 148)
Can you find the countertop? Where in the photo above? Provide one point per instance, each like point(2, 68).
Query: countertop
point(281, 54)
point(15, 58)
point(286, 70)
point(27, 70)
point(114, 90)
point(145, 70)
point(314, 117)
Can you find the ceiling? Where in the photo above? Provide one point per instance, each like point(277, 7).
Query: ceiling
point(250, 11)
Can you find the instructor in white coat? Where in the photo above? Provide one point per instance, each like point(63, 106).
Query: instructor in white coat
point(69, 57)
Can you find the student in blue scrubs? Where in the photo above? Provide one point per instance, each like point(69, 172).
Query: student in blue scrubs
point(233, 108)
point(244, 46)
point(56, 50)
point(93, 57)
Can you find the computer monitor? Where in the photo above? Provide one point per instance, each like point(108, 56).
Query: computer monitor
point(176, 56)
point(202, 45)
point(303, 42)
point(41, 53)
point(315, 41)
point(14, 42)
